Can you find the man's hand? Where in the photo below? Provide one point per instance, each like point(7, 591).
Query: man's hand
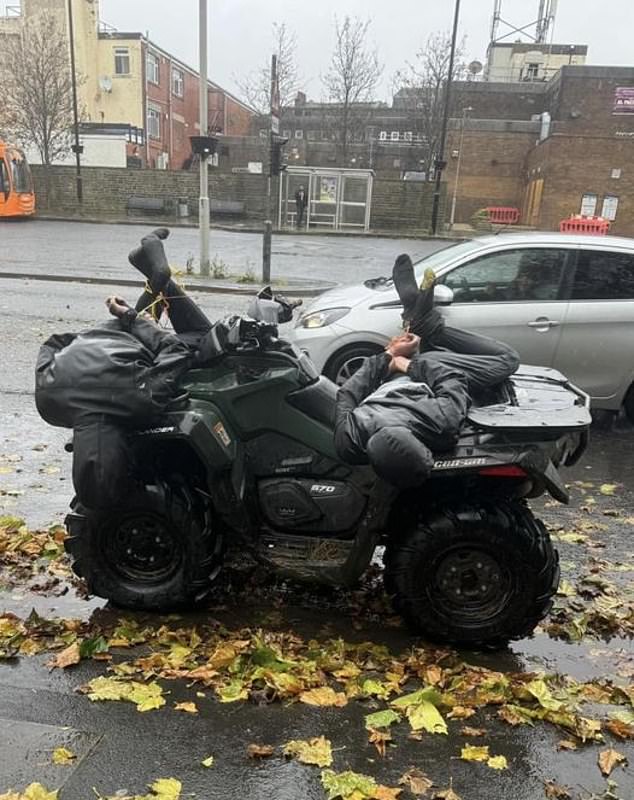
point(400, 364)
point(405, 346)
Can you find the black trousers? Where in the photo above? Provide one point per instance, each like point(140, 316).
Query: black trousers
point(188, 319)
point(484, 361)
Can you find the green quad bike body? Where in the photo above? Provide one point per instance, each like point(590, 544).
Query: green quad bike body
point(249, 460)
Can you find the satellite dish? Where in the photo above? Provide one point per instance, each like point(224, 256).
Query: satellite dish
point(475, 67)
point(105, 84)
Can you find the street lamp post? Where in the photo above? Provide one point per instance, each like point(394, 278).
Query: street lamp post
point(452, 219)
point(440, 158)
point(76, 148)
point(204, 214)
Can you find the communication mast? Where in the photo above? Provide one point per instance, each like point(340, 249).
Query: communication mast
point(537, 31)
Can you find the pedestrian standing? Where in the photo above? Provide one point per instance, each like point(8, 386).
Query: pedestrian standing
point(300, 205)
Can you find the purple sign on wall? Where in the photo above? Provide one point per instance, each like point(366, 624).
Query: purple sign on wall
point(623, 100)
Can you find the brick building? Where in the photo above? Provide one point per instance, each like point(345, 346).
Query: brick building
point(129, 82)
point(550, 149)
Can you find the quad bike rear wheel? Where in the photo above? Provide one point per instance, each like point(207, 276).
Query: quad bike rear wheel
point(156, 552)
point(475, 575)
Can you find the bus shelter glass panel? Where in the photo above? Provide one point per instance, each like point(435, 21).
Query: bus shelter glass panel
point(323, 201)
point(352, 213)
point(291, 185)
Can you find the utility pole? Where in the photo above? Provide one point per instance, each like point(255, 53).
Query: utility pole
point(452, 219)
point(274, 130)
point(203, 214)
point(440, 158)
point(76, 148)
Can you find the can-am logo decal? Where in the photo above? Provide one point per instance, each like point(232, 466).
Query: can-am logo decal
point(150, 431)
point(459, 463)
point(221, 433)
point(322, 489)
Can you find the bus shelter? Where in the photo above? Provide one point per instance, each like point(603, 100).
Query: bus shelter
point(337, 198)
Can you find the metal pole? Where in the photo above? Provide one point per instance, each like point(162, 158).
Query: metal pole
point(455, 188)
point(77, 148)
point(268, 223)
point(203, 214)
point(440, 158)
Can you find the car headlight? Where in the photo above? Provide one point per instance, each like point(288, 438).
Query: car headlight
point(319, 319)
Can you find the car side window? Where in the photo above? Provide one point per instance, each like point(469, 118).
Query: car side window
point(525, 274)
point(603, 275)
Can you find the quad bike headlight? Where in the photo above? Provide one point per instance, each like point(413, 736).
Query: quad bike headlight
point(319, 319)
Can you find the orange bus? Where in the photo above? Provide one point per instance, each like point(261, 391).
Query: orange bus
point(17, 196)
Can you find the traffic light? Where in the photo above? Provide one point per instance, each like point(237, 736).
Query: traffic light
point(279, 159)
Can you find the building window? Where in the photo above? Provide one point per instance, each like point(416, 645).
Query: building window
point(153, 68)
point(394, 136)
point(154, 122)
point(610, 207)
point(383, 136)
point(299, 134)
point(588, 205)
point(178, 82)
point(263, 133)
point(409, 136)
point(121, 61)
point(312, 135)
point(286, 134)
point(532, 72)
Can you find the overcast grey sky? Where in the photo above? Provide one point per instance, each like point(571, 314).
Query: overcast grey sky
point(240, 30)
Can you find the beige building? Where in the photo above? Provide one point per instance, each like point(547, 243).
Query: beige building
point(516, 62)
point(127, 80)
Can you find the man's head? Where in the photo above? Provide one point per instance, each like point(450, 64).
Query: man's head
point(301, 188)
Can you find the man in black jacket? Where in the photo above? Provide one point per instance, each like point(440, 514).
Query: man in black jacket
point(401, 404)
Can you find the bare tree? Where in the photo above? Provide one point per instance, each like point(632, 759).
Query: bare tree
point(256, 87)
point(421, 93)
point(351, 81)
point(37, 87)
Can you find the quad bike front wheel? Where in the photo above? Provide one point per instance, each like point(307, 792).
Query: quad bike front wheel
point(474, 575)
point(156, 552)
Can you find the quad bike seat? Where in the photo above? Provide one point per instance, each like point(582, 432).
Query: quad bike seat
point(317, 401)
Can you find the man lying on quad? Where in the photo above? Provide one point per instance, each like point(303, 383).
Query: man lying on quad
point(402, 405)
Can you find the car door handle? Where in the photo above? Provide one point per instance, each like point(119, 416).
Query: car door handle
point(544, 323)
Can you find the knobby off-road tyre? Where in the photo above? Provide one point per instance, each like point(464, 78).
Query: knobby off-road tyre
point(159, 551)
point(474, 575)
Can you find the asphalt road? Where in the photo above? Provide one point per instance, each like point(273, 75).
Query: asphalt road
point(71, 248)
point(119, 748)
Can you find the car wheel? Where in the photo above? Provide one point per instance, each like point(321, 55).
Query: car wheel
point(346, 362)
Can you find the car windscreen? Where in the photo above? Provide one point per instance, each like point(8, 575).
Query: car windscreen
point(441, 257)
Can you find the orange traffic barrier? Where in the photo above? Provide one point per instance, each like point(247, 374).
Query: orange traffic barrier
point(501, 215)
point(597, 226)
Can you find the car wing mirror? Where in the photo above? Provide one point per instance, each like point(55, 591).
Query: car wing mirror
point(443, 295)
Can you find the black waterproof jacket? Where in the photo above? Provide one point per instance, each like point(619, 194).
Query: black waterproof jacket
point(408, 418)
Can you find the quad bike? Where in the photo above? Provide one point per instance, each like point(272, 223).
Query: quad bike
point(249, 457)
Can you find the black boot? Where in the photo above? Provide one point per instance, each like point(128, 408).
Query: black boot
point(151, 261)
point(419, 315)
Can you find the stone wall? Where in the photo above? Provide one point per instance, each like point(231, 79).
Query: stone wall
point(396, 205)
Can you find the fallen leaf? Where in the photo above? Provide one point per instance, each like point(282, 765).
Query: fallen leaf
point(380, 740)
point(317, 751)
point(566, 744)
point(425, 716)
point(208, 762)
point(555, 791)
point(145, 696)
point(497, 762)
point(620, 729)
point(469, 731)
point(35, 791)
point(381, 719)
point(63, 756)
point(260, 750)
point(190, 708)
point(67, 658)
point(446, 794)
point(608, 488)
point(472, 753)
point(354, 786)
point(460, 712)
point(416, 781)
point(386, 793)
point(608, 759)
point(324, 696)
point(166, 789)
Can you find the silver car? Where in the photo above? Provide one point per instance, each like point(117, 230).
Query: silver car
point(563, 301)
